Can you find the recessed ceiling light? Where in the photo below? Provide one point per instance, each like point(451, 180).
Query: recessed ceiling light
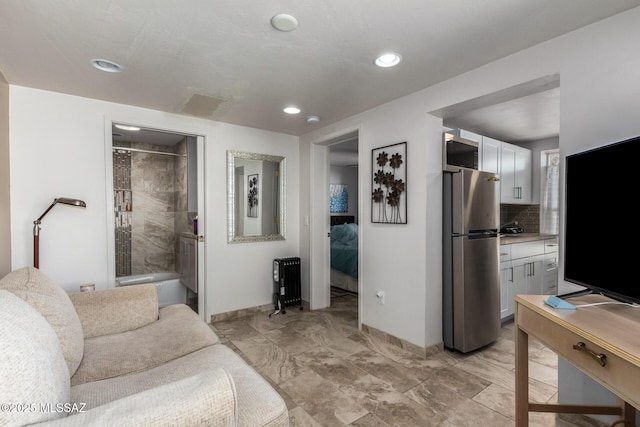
point(292, 110)
point(284, 22)
point(388, 59)
point(313, 119)
point(106, 65)
point(127, 127)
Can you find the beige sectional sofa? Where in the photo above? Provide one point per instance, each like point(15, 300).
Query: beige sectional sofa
point(112, 358)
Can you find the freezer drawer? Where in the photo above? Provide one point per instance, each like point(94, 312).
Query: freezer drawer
point(476, 292)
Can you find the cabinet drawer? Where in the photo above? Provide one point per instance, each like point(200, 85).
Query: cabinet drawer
point(527, 249)
point(505, 253)
point(614, 375)
point(551, 246)
point(551, 265)
point(550, 287)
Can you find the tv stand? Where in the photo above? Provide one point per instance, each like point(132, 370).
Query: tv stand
point(601, 341)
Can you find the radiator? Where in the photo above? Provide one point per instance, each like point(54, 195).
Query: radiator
point(287, 284)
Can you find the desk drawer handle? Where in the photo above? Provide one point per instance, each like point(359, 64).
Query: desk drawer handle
point(600, 358)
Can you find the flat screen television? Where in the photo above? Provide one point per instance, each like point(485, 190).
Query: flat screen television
point(602, 186)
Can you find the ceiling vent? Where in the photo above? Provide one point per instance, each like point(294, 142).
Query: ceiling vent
point(202, 105)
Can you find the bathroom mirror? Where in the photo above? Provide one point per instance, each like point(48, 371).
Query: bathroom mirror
point(255, 197)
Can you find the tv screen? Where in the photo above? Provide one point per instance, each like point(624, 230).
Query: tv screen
point(601, 189)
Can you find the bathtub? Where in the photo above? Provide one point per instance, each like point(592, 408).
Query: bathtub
point(170, 290)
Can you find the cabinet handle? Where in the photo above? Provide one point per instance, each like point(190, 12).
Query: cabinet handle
point(600, 358)
point(532, 268)
point(511, 280)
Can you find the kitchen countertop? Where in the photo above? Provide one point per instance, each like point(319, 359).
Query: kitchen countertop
point(507, 239)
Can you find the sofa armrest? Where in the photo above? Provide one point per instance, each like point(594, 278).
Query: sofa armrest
point(208, 398)
point(116, 310)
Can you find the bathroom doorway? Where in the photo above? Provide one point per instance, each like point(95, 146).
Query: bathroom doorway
point(155, 211)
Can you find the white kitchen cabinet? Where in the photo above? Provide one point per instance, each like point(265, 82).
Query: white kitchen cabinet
point(513, 165)
point(550, 280)
point(527, 268)
point(515, 174)
point(464, 134)
point(506, 284)
point(469, 135)
point(528, 275)
point(490, 155)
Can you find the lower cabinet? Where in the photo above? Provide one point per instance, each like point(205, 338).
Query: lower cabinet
point(550, 279)
point(506, 281)
point(529, 271)
point(528, 274)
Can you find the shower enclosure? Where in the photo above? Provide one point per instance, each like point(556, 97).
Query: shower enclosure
point(155, 203)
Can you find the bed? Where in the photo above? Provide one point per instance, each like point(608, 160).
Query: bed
point(344, 253)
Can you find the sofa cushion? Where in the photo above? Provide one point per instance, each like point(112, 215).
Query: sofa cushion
point(114, 310)
point(205, 399)
point(53, 303)
point(32, 367)
point(258, 403)
point(177, 332)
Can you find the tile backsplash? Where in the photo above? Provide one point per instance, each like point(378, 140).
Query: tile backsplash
point(528, 216)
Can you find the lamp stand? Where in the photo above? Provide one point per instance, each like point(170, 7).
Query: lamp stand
point(36, 225)
point(36, 244)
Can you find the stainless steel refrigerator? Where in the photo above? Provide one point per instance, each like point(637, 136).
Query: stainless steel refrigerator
point(471, 275)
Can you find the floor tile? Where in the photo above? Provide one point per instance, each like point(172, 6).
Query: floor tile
point(331, 374)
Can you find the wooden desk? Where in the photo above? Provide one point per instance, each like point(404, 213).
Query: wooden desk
point(612, 331)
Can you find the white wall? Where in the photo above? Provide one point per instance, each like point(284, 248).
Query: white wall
point(598, 102)
point(5, 202)
point(347, 175)
point(58, 149)
point(536, 148)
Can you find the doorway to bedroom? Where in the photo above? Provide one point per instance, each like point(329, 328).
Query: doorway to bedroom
point(343, 209)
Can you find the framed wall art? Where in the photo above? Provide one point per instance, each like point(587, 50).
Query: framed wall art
point(338, 198)
point(253, 195)
point(389, 184)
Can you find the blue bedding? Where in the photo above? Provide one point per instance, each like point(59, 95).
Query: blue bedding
point(344, 249)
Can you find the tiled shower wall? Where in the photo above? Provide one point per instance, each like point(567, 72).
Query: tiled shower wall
point(156, 211)
point(122, 204)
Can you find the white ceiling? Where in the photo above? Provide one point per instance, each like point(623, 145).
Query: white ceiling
point(227, 52)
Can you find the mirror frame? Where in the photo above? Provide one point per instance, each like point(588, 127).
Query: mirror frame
point(232, 155)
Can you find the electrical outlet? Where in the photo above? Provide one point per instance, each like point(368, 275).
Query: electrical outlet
point(380, 296)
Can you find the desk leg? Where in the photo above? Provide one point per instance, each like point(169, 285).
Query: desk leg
point(628, 413)
point(522, 377)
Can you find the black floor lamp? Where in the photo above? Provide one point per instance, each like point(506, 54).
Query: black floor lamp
point(36, 225)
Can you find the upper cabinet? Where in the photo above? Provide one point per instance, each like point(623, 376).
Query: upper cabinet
point(490, 155)
point(512, 163)
point(515, 174)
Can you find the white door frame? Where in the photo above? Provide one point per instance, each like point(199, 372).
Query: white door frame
point(200, 147)
point(320, 269)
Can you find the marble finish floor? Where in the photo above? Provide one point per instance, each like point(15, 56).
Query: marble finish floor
point(330, 374)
